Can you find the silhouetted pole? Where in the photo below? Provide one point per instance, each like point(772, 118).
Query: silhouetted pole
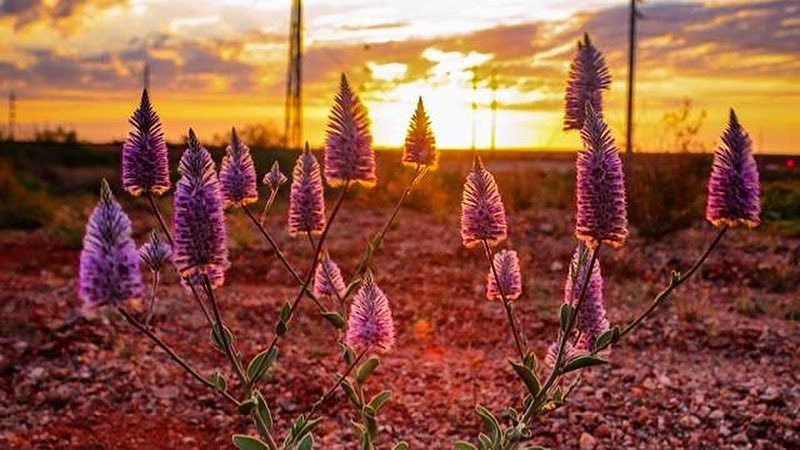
point(12, 114)
point(293, 112)
point(146, 77)
point(474, 104)
point(494, 108)
point(634, 15)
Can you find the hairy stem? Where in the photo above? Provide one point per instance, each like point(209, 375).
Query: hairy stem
point(280, 255)
point(161, 222)
point(227, 346)
point(263, 220)
point(506, 304)
point(311, 271)
point(180, 361)
point(338, 383)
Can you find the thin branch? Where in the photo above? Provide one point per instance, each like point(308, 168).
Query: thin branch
point(180, 361)
point(161, 222)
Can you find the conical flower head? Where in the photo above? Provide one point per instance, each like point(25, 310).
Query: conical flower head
point(155, 253)
point(109, 264)
point(591, 320)
point(274, 178)
point(348, 143)
point(734, 187)
point(370, 323)
point(483, 216)
point(328, 278)
point(506, 265)
point(588, 76)
point(145, 166)
point(306, 198)
point(602, 213)
point(237, 175)
point(200, 234)
point(420, 147)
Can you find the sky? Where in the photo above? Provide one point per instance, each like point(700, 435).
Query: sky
point(217, 64)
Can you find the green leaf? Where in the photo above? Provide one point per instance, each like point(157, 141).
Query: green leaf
point(334, 318)
point(402, 445)
point(462, 445)
point(286, 312)
point(604, 340)
point(348, 355)
point(351, 288)
point(366, 369)
point(220, 384)
point(263, 414)
point(536, 447)
point(351, 393)
point(246, 406)
point(486, 441)
point(565, 315)
point(530, 360)
point(280, 328)
point(490, 422)
point(379, 400)
point(216, 337)
point(528, 377)
point(244, 442)
point(582, 362)
point(260, 364)
point(307, 443)
point(307, 427)
point(372, 427)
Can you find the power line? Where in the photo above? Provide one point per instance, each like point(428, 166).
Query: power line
point(293, 113)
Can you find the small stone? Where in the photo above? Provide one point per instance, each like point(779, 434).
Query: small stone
point(556, 266)
point(740, 438)
point(587, 441)
point(717, 414)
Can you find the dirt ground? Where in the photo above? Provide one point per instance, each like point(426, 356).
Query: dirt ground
point(717, 369)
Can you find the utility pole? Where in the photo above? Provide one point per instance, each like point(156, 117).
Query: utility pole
point(474, 104)
point(293, 112)
point(12, 114)
point(494, 108)
point(633, 17)
point(146, 77)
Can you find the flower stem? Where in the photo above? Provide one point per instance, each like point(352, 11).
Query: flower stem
point(280, 255)
point(674, 283)
point(151, 310)
point(180, 361)
point(326, 396)
point(161, 222)
point(273, 193)
point(506, 304)
point(227, 346)
point(311, 271)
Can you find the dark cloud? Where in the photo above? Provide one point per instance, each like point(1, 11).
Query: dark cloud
point(27, 12)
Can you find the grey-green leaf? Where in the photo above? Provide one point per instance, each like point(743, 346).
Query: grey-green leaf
point(244, 442)
point(366, 369)
point(582, 362)
point(461, 445)
point(528, 377)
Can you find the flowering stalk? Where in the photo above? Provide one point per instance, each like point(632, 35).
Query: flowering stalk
point(506, 303)
point(222, 333)
point(319, 403)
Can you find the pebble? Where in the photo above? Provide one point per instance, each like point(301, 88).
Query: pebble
point(587, 441)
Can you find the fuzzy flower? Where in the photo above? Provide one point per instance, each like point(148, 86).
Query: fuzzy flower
point(506, 264)
point(482, 213)
point(602, 215)
point(237, 175)
point(274, 178)
point(348, 143)
point(370, 323)
point(328, 278)
point(734, 189)
point(420, 148)
point(588, 76)
point(201, 245)
point(591, 321)
point(306, 198)
point(109, 264)
point(145, 167)
point(552, 352)
point(155, 253)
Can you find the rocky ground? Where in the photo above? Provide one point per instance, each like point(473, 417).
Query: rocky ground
point(717, 369)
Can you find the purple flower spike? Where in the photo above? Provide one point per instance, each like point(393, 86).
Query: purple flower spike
point(155, 253)
point(306, 198)
point(602, 215)
point(734, 188)
point(506, 264)
point(420, 148)
point(482, 213)
point(348, 143)
point(588, 76)
point(201, 245)
point(370, 323)
point(237, 175)
point(274, 178)
point(328, 279)
point(145, 167)
point(591, 321)
point(109, 264)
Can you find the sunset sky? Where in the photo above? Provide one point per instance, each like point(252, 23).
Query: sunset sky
point(220, 63)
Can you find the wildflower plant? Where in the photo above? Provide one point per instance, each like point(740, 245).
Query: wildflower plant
point(196, 246)
point(585, 334)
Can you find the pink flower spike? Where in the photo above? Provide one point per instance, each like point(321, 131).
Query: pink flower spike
point(306, 198)
point(588, 77)
point(349, 156)
point(370, 323)
point(237, 175)
point(145, 166)
point(274, 178)
point(506, 264)
point(483, 216)
point(420, 146)
point(591, 320)
point(328, 278)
